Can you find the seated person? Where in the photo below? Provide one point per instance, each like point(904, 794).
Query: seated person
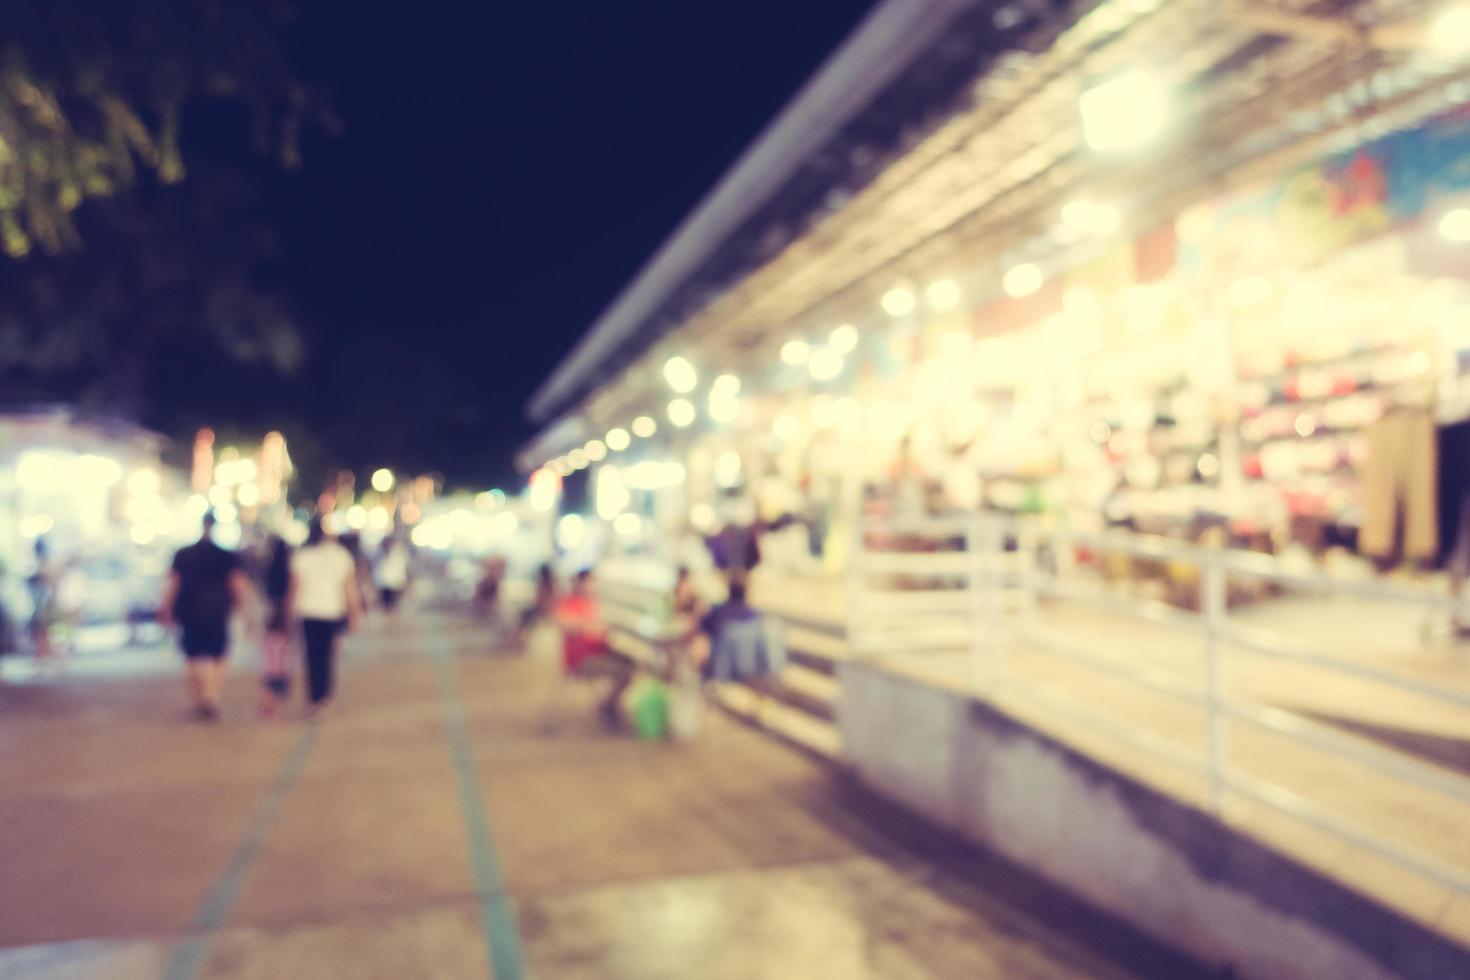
point(684, 640)
point(742, 645)
point(584, 643)
point(684, 602)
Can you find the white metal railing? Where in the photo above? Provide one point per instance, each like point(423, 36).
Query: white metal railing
point(974, 587)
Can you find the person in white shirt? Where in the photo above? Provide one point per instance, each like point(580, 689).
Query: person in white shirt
point(324, 596)
point(391, 573)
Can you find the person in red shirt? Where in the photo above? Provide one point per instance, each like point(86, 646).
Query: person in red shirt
point(585, 651)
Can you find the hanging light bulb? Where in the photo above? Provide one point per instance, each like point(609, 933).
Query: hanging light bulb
point(795, 352)
point(899, 301)
point(843, 339)
point(680, 375)
point(1023, 280)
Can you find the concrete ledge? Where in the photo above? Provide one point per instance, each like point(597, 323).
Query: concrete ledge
point(1170, 869)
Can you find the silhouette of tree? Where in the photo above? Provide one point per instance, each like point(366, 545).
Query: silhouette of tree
point(92, 93)
point(170, 275)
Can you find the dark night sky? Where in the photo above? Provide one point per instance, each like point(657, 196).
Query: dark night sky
point(504, 171)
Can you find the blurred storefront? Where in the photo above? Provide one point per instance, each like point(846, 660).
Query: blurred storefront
point(1225, 298)
point(98, 493)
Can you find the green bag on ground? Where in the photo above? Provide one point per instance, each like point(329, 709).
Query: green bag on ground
point(649, 709)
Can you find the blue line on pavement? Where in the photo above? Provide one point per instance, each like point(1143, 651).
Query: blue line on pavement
point(497, 916)
point(191, 956)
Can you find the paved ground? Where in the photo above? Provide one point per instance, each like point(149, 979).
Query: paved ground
point(429, 826)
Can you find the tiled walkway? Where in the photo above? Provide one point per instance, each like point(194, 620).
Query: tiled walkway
point(429, 826)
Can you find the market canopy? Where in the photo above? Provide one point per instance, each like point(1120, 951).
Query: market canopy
point(988, 146)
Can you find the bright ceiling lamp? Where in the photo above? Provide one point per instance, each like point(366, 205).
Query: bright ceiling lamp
point(596, 450)
point(795, 352)
point(702, 516)
point(943, 295)
point(726, 384)
point(571, 531)
point(1455, 225)
point(544, 488)
point(843, 339)
point(681, 412)
point(724, 403)
point(727, 470)
point(680, 375)
point(1091, 218)
point(1126, 112)
point(898, 301)
point(1023, 280)
point(825, 365)
point(617, 439)
point(644, 427)
point(723, 410)
point(612, 495)
point(1449, 31)
point(653, 475)
point(104, 471)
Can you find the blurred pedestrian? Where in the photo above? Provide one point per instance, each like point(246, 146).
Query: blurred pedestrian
point(8, 639)
point(487, 591)
point(206, 585)
point(907, 482)
point(326, 599)
point(684, 601)
point(71, 601)
point(41, 584)
point(585, 649)
point(275, 651)
point(391, 573)
point(542, 606)
point(685, 609)
point(352, 541)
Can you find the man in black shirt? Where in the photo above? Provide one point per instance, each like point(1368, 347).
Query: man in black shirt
point(205, 586)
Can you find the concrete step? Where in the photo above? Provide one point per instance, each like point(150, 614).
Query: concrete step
point(819, 652)
point(822, 621)
point(808, 691)
point(795, 727)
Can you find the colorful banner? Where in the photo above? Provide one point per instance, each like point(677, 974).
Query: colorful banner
point(1344, 199)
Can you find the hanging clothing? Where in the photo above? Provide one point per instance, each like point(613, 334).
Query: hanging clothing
point(1454, 484)
point(1400, 488)
point(735, 549)
point(1457, 561)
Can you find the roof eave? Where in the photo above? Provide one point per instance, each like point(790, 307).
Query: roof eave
point(887, 43)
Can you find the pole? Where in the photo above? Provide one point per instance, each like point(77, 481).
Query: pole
point(852, 578)
point(1213, 584)
point(977, 611)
